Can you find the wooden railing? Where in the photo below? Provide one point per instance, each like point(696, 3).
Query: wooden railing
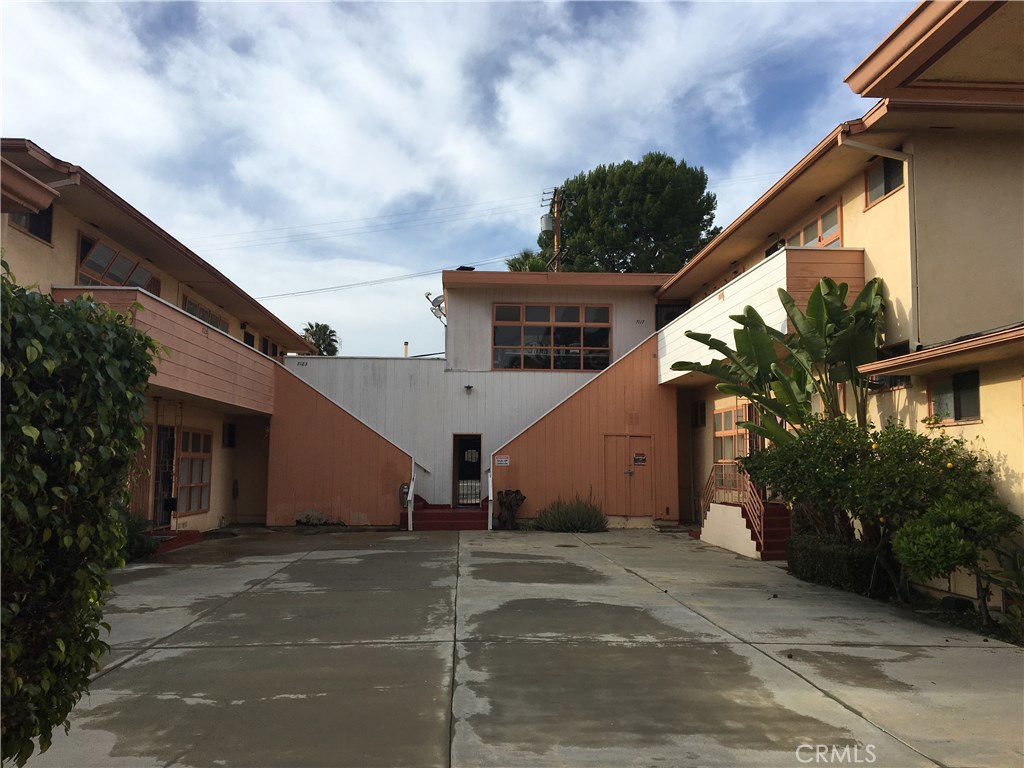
point(707, 496)
point(728, 484)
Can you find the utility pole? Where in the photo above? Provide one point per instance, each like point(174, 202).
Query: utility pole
point(552, 222)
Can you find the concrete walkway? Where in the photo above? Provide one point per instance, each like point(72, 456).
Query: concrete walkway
point(512, 649)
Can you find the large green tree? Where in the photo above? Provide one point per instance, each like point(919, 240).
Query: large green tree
point(323, 337)
point(651, 216)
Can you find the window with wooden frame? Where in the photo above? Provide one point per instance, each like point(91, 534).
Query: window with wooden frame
point(195, 465)
point(956, 398)
point(825, 231)
point(204, 313)
point(551, 337)
point(100, 264)
point(881, 179)
point(38, 225)
point(730, 439)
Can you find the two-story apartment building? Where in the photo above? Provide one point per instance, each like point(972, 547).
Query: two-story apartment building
point(231, 436)
point(926, 190)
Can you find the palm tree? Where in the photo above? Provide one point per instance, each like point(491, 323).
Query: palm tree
point(527, 261)
point(323, 338)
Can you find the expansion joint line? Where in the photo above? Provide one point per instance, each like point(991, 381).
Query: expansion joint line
point(161, 640)
point(848, 707)
point(455, 651)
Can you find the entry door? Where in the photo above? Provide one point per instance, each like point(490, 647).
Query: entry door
point(628, 475)
point(163, 477)
point(466, 468)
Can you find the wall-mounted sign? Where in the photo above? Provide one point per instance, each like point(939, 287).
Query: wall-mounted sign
point(639, 459)
point(502, 461)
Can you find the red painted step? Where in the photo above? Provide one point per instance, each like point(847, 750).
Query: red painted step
point(170, 540)
point(436, 518)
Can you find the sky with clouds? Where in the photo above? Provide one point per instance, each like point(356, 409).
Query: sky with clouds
point(301, 146)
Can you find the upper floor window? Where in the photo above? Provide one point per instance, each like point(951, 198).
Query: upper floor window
point(36, 224)
point(822, 232)
point(545, 337)
point(957, 397)
point(99, 264)
point(884, 176)
point(196, 309)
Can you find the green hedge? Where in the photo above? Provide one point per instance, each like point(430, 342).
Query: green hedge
point(73, 393)
point(831, 562)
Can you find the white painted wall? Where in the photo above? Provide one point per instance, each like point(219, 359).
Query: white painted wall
point(757, 287)
point(726, 528)
point(419, 405)
point(468, 342)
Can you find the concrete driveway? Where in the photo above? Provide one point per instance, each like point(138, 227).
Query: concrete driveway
point(512, 649)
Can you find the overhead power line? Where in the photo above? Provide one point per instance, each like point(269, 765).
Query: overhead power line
point(397, 214)
point(381, 280)
point(372, 228)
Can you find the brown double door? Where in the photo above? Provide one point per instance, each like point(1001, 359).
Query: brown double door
point(628, 475)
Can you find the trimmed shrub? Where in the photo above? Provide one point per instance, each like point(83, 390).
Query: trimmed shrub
point(73, 392)
point(137, 541)
point(831, 562)
point(576, 516)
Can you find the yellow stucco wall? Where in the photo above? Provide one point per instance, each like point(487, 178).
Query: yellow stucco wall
point(37, 263)
point(970, 199)
point(883, 231)
point(999, 433)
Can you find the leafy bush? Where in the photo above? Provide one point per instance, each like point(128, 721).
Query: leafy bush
point(137, 541)
point(576, 516)
point(1010, 576)
point(831, 562)
point(955, 533)
point(73, 384)
point(812, 474)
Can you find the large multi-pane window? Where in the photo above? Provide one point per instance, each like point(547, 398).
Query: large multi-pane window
point(99, 264)
point(195, 462)
point(822, 232)
point(552, 337)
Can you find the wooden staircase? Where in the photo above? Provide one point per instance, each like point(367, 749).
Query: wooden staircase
point(435, 517)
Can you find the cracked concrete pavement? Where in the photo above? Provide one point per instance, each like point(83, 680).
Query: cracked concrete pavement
point(629, 648)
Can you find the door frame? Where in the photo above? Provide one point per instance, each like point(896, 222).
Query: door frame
point(457, 439)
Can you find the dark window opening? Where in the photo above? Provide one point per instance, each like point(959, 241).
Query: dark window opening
point(36, 224)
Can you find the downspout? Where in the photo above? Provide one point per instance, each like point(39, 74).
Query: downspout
point(410, 498)
point(490, 495)
point(908, 158)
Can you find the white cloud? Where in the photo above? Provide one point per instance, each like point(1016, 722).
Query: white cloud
point(229, 119)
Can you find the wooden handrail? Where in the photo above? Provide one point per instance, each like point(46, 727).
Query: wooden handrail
point(729, 484)
point(708, 494)
point(753, 506)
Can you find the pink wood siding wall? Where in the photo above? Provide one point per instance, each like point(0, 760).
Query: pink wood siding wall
point(806, 266)
point(200, 360)
point(325, 461)
point(564, 452)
